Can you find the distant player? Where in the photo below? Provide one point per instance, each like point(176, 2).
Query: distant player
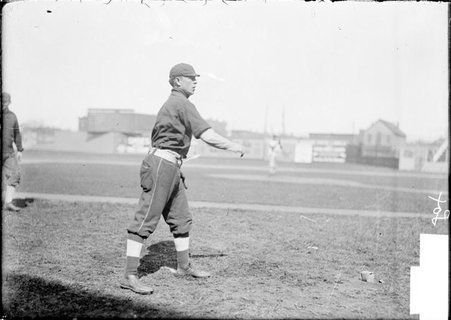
point(274, 149)
point(10, 159)
point(162, 183)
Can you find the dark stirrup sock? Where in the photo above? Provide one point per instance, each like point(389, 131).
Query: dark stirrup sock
point(181, 243)
point(134, 246)
point(183, 259)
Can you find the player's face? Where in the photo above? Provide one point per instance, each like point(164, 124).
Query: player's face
point(188, 84)
point(6, 100)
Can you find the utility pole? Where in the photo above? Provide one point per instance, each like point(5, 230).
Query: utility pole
point(265, 127)
point(283, 120)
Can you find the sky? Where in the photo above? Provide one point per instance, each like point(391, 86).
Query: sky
point(276, 65)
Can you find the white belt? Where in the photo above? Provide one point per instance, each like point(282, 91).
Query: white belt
point(169, 155)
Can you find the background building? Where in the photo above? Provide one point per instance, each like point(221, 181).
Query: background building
point(382, 139)
point(126, 121)
point(124, 131)
point(421, 156)
point(330, 147)
point(379, 145)
point(103, 131)
point(383, 133)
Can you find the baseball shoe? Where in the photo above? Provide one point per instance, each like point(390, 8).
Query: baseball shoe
point(191, 271)
point(11, 207)
point(131, 282)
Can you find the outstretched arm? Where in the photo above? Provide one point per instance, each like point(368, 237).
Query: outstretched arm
point(210, 137)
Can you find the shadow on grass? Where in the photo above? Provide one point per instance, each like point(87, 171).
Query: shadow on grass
point(23, 203)
point(209, 255)
point(25, 296)
point(161, 254)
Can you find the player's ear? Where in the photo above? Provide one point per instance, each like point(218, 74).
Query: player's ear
point(176, 82)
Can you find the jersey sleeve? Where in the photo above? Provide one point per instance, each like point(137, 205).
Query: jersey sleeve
point(197, 123)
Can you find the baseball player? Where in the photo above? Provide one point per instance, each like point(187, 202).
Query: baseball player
point(162, 182)
point(275, 147)
point(10, 159)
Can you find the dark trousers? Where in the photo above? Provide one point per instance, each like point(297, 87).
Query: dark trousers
point(10, 170)
point(163, 193)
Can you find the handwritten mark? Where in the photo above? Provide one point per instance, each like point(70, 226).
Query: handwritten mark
point(438, 210)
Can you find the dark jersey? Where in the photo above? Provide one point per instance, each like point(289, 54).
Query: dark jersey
point(11, 133)
point(177, 121)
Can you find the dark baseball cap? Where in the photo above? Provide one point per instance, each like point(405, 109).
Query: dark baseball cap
point(182, 69)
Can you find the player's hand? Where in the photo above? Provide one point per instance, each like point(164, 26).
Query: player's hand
point(19, 156)
point(238, 148)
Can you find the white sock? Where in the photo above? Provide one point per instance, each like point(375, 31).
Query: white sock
point(181, 244)
point(134, 248)
point(9, 195)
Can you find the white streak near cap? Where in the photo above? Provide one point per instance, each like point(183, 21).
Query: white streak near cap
point(212, 76)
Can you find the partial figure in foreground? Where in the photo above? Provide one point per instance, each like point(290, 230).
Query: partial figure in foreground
point(162, 182)
point(10, 158)
point(275, 146)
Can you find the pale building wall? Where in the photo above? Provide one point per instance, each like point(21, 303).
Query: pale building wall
point(379, 134)
point(304, 151)
point(73, 141)
point(414, 157)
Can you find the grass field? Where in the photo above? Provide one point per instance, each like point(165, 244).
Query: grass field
point(64, 259)
point(123, 181)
